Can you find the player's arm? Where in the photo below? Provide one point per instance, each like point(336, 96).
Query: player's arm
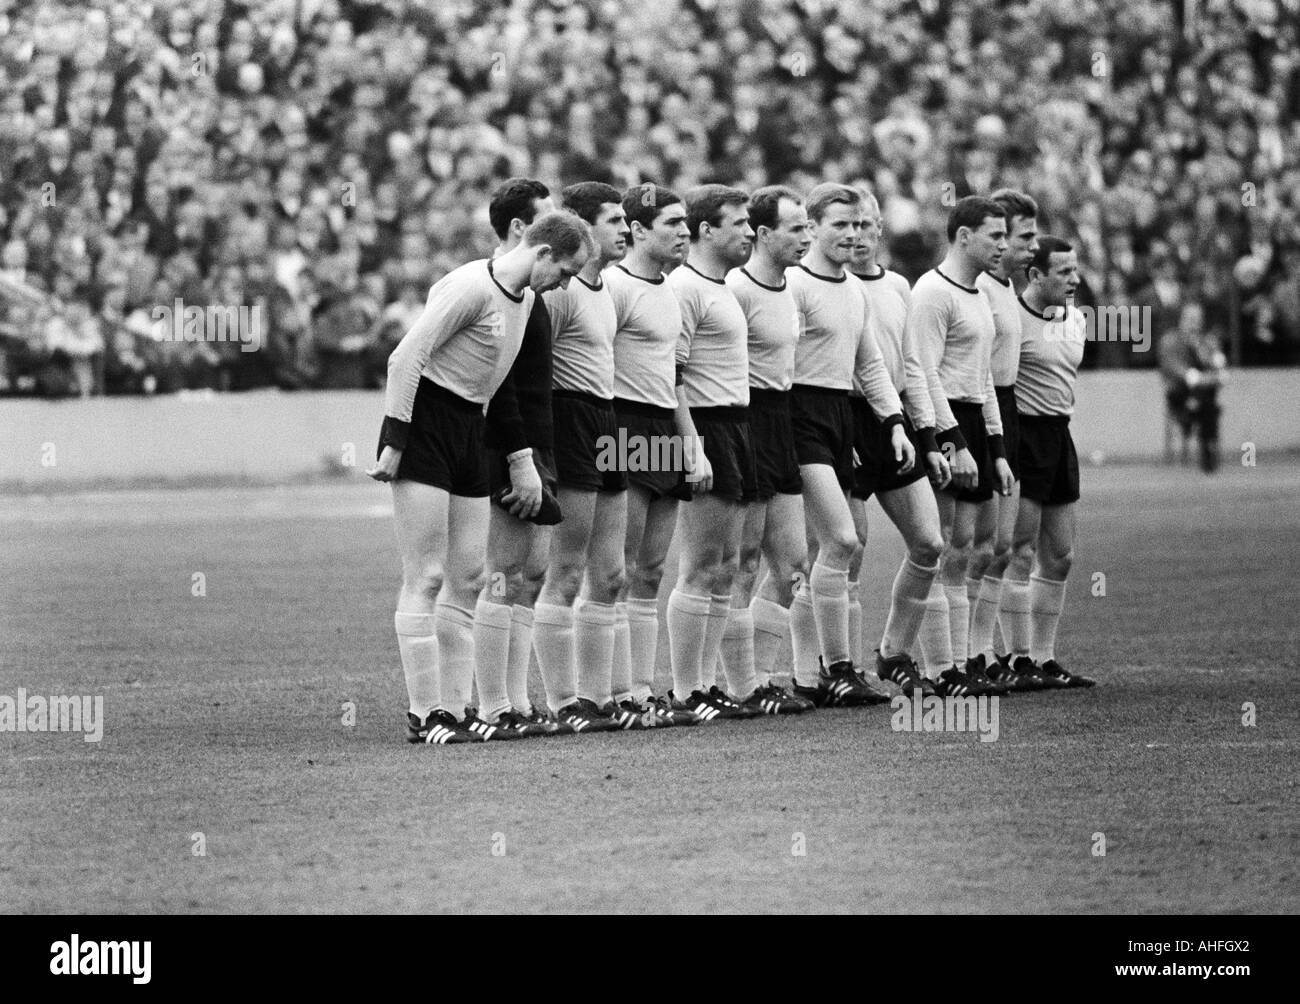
point(993, 427)
point(697, 464)
point(928, 318)
point(873, 378)
point(505, 424)
point(927, 325)
point(451, 306)
point(920, 409)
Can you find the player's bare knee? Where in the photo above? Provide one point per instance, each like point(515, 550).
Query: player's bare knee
point(698, 578)
point(564, 581)
point(841, 549)
point(467, 582)
point(645, 578)
point(981, 557)
point(1022, 559)
point(426, 583)
point(1056, 565)
point(926, 551)
point(747, 568)
point(724, 580)
point(788, 576)
point(530, 586)
point(606, 583)
point(956, 558)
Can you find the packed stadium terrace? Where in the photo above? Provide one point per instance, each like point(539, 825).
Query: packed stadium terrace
point(329, 160)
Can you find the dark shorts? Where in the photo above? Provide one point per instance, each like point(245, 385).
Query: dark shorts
point(771, 430)
point(499, 469)
point(1049, 467)
point(586, 435)
point(823, 429)
point(1010, 413)
point(725, 435)
point(445, 445)
point(649, 450)
point(877, 471)
point(970, 420)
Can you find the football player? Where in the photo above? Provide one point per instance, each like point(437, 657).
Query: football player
point(431, 449)
point(1051, 348)
point(836, 349)
point(713, 406)
point(952, 324)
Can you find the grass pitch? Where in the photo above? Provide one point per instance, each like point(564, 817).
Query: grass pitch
point(224, 733)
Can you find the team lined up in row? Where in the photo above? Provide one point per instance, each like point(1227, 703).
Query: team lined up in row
point(803, 378)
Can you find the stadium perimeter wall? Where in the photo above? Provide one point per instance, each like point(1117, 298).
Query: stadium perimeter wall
point(276, 437)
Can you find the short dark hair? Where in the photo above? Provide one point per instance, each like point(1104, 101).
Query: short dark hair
point(514, 200)
point(643, 203)
point(1047, 246)
point(827, 194)
point(563, 231)
point(1015, 203)
point(765, 205)
point(971, 212)
point(704, 204)
point(586, 197)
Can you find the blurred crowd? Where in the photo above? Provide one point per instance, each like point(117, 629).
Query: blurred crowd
point(328, 160)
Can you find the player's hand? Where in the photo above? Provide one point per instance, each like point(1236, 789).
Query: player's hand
point(698, 468)
point(965, 472)
point(525, 496)
point(1002, 471)
point(386, 466)
point(904, 451)
point(939, 469)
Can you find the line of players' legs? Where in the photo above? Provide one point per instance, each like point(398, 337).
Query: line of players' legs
point(584, 595)
point(743, 592)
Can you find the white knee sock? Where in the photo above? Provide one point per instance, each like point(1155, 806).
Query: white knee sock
point(855, 623)
point(621, 673)
point(738, 653)
point(553, 640)
point(771, 623)
point(906, 607)
point(492, 657)
point(593, 646)
point(958, 620)
point(521, 657)
point(455, 629)
point(1013, 611)
point(688, 623)
point(936, 632)
point(1046, 598)
point(984, 613)
point(805, 646)
point(643, 638)
point(418, 644)
point(830, 596)
point(719, 612)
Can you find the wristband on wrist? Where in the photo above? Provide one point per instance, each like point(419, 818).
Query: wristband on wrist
point(997, 447)
point(953, 436)
point(895, 419)
point(928, 443)
point(394, 433)
point(525, 454)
